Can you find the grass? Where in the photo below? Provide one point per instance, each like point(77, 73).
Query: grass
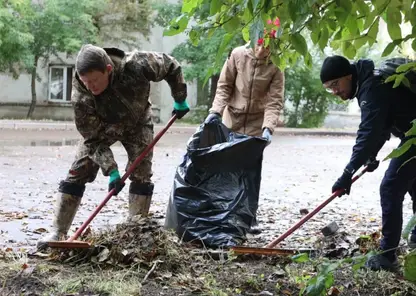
point(98, 282)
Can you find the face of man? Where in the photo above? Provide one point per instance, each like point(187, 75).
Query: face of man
point(97, 81)
point(341, 87)
point(261, 52)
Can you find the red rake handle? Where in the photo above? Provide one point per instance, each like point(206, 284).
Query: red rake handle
point(274, 242)
point(123, 179)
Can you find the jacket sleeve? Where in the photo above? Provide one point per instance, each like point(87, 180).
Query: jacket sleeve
point(92, 130)
point(225, 86)
point(274, 104)
point(383, 139)
point(371, 134)
point(160, 66)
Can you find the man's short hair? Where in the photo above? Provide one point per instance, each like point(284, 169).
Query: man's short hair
point(335, 67)
point(91, 58)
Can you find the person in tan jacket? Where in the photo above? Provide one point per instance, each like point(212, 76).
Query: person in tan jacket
point(249, 95)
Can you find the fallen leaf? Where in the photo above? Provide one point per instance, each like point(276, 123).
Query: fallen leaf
point(41, 255)
point(103, 255)
point(334, 291)
point(40, 230)
point(29, 270)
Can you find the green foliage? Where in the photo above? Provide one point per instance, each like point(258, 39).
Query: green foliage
point(323, 280)
point(166, 12)
point(33, 31)
point(15, 38)
point(306, 101)
point(409, 227)
point(345, 26)
point(120, 21)
point(45, 28)
point(204, 58)
point(300, 258)
point(402, 149)
point(61, 26)
point(200, 58)
point(410, 266)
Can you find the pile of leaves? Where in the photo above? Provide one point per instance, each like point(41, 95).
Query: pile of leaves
point(140, 242)
point(142, 258)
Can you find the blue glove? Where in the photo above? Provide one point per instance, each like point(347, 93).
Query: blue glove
point(267, 134)
point(180, 109)
point(343, 182)
point(212, 117)
point(115, 182)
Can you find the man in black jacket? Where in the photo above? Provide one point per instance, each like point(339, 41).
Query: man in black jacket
point(384, 110)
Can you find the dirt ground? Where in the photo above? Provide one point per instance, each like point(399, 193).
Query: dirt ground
point(298, 172)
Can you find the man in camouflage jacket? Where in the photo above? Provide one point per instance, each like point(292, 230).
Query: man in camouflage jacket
point(111, 103)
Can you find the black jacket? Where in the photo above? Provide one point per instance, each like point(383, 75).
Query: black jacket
point(384, 110)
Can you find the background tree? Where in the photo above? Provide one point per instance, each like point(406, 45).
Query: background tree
point(50, 27)
point(14, 39)
point(34, 31)
point(123, 21)
point(306, 101)
point(343, 25)
point(58, 26)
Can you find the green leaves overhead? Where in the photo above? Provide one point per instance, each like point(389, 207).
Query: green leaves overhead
point(394, 19)
point(299, 43)
point(177, 26)
point(346, 26)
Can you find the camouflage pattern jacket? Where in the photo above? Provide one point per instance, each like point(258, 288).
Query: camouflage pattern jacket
point(124, 106)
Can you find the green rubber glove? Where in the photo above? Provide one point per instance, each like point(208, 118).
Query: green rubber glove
point(115, 182)
point(180, 109)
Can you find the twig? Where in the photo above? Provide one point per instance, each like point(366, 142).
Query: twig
point(150, 271)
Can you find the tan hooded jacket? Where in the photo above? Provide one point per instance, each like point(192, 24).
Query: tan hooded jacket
point(250, 93)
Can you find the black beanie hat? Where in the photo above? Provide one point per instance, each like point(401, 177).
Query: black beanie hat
point(335, 67)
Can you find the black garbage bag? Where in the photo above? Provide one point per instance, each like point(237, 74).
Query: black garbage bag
point(215, 192)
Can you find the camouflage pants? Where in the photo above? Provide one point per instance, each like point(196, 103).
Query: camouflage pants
point(84, 169)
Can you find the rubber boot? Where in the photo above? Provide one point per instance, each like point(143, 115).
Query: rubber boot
point(387, 262)
point(139, 205)
point(65, 210)
point(255, 228)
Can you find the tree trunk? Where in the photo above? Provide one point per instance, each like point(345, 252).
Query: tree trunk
point(214, 83)
point(202, 94)
point(33, 89)
point(297, 113)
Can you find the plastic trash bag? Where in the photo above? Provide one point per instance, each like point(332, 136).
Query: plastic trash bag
point(215, 191)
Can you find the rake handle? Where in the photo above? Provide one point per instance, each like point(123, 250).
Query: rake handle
point(123, 179)
point(337, 193)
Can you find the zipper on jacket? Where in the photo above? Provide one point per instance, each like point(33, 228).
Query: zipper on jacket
point(251, 93)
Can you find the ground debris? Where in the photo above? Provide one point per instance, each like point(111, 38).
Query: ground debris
point(139, 242)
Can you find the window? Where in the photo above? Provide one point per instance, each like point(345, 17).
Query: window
point(60, 83)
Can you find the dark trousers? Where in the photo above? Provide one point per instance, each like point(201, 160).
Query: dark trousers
point(399, 179)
